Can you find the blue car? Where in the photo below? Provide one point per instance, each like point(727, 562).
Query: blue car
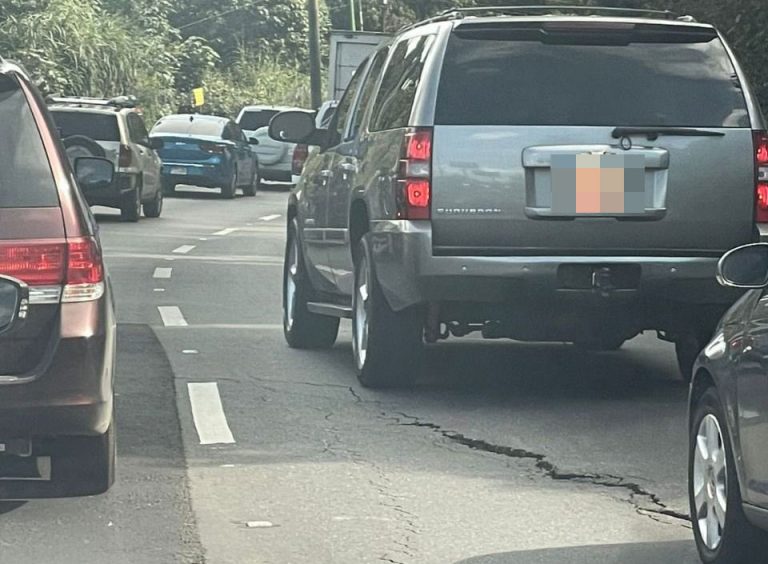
point(207, 151)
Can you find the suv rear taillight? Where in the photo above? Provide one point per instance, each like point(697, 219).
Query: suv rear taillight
point(761, 167)
point(76, 264)
point(300, 154)
point(415, 176)
point(125, 158)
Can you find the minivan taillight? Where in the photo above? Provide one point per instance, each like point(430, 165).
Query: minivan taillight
point(761, 168)
point(125, 156)
point(415, 176)
point(85, 271)
point(300, 154)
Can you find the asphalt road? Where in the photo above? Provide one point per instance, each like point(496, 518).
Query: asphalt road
point(235, 449)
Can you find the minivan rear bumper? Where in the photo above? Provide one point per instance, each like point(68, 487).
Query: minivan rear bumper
point(411, 274)
point(73, 393)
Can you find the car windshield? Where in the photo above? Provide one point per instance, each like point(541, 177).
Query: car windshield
point(253, 120)
point(26, 180)
point(188, 125)
point(96, 126)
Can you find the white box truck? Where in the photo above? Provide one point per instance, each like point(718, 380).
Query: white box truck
point(348, 50)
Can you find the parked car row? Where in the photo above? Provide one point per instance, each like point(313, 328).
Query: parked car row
point(583, 203)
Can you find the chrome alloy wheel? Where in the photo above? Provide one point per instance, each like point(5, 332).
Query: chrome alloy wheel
point(360, 316)
point(710, 486)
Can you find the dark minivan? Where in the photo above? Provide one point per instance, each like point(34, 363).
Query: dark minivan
point(57, 319)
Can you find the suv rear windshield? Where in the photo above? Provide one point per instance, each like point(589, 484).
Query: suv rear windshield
point(183, 126)
point(97, 126)
point(26, 180)
point(516, 77)
point(251, 121)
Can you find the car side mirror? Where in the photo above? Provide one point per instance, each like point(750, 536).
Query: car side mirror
point(253, 141)
point(14, 302)
point(294, 126)
point(94, 173)
point(744, 267)
point(155, 143)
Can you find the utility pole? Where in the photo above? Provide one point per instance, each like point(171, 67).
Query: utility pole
point(315, 68)
point(352, 16)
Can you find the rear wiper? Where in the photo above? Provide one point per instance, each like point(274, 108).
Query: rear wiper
point(653, 132)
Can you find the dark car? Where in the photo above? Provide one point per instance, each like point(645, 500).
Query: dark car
point(728, 447)
point(498, 170)
point(207, 151)
point(57, 318)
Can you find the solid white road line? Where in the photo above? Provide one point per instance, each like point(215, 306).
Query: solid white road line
point(172, 316)
point(208, 414)
point(184, 249)
point(269, 217)
point(162, 272)
point(227, 231)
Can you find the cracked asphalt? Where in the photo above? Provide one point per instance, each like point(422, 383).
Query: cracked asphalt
point(504, 452)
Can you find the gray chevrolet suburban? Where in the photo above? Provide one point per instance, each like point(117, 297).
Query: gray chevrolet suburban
point(569, 177)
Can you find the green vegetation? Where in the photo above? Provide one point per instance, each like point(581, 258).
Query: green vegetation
point(249, 51)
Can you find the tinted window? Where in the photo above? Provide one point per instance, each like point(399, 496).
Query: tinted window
point(251, 121)
point(26, 180)
point(367, 91)
point(672, 81)
point(345, 105)
point(138, 131)
point(398, 86)
point(99, 127)
point(187, 126)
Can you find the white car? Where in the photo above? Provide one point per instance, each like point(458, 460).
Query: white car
point(275, 157)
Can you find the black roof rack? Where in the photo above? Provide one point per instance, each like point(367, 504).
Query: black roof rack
point(460, 13)
point(118, 102)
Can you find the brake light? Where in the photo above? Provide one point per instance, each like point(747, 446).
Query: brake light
point(125, 158)
point(761, 170)
point(213, 148)
point(415, 178)
point(85, 271)
point(300, 155)
point(37, 264)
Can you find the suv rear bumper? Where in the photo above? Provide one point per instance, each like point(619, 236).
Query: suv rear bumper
point(410, 274)
point(73, 393)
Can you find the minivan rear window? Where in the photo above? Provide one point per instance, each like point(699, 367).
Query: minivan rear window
point(26, 180)
point(97, 126)
point(512, 80)
point(251, 121)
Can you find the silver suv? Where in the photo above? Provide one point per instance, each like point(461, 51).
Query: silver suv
point(531, 176)
point(114, 129)
point(275, 157)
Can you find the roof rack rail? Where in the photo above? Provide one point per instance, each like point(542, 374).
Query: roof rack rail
point(119, 102)
point(460, 13)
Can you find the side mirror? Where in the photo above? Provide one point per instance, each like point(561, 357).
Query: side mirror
point(14, 302)
point(292, 126)
point(94, 173)
point(155, 143)
point(253, 141)
point(744, 267)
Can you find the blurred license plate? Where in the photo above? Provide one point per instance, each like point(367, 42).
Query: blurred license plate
point(178, 170)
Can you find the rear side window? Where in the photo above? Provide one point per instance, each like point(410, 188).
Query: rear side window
point(136, 126)
point(253, 120)
point(674, 79)
point(26, 180)
point(367, 92)
point(99, 127)
point(394, 102)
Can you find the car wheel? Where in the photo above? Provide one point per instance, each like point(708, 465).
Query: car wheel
point(155, 207)
point(86, 465)
point(722, 533)
point(253, 187)
point(130, 208)
point(302, 328)
point(169, 187)
point(77, 146)
point(229, 191)
point(381, 335)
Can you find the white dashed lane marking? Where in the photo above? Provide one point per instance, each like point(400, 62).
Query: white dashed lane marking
point(227, 231)
point(172, 316)
point(162, 272)
point(184, 249)
point(270, 217)
point(208, 414)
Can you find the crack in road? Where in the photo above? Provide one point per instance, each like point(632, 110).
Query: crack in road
point(551, 471)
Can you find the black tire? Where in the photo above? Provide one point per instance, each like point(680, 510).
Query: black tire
point(394, 342)
point(155, 207)
point(741, 542)
point(130, 206)
point(253, 187)
point(229, 191)
point(302, 328)
point(169, 187)
point(82, 146)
